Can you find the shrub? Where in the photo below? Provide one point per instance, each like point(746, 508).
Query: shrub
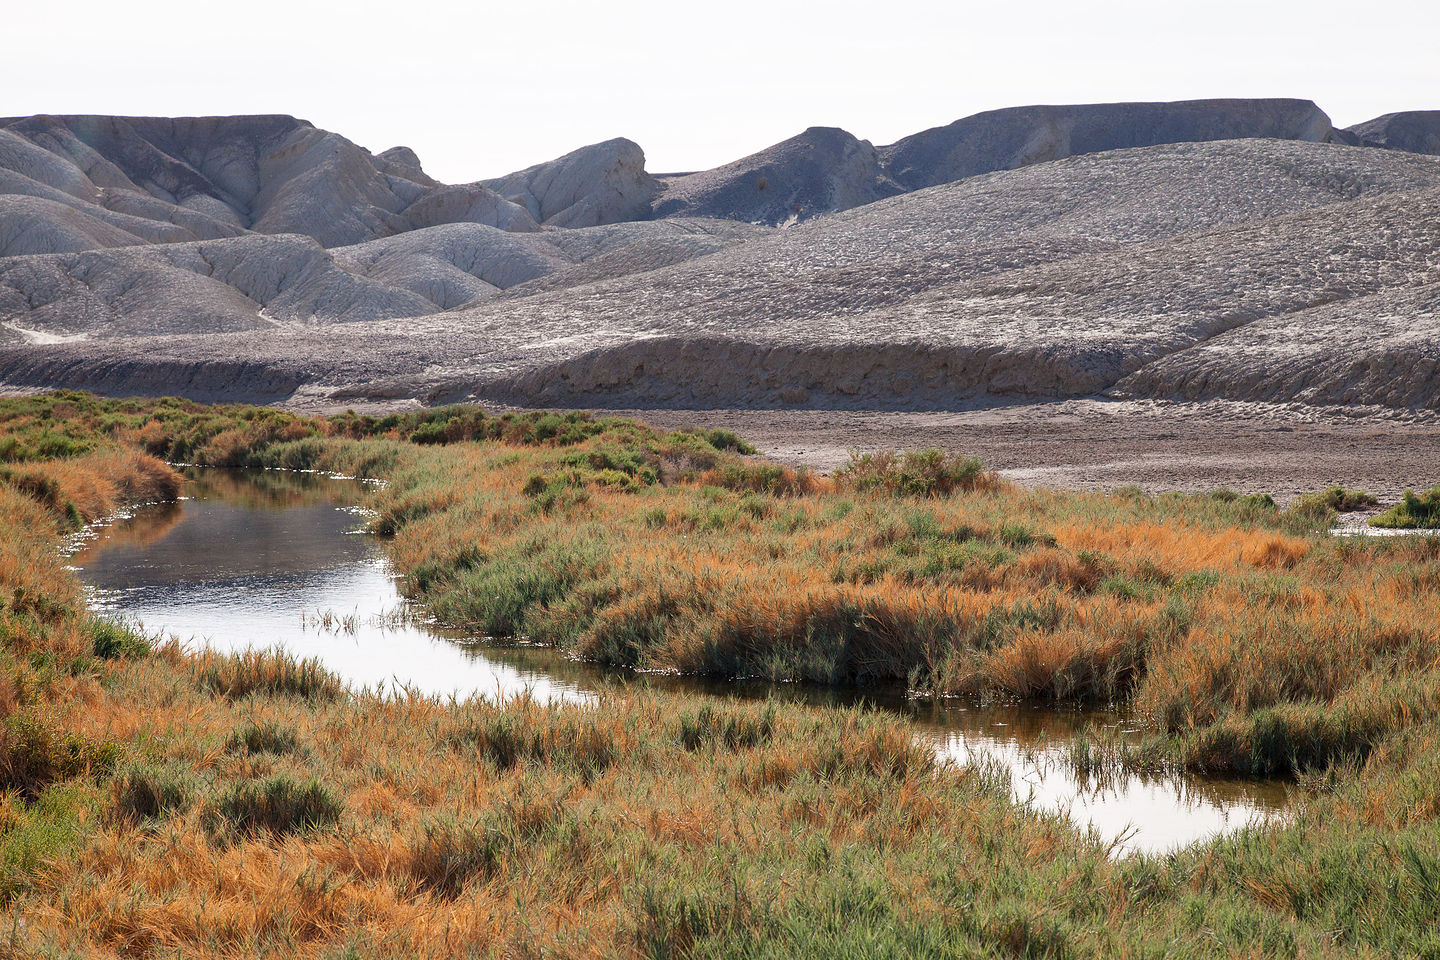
point(277, 805)
point(428, 433)
point(914, 473)
point(1341, 500)
point(763, 478)
point(728, 440)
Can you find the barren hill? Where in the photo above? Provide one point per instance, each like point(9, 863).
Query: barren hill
point(263, 259)
point(1124, 271)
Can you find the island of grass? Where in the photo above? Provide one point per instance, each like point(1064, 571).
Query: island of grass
point(158, 802)
point(1413, 512)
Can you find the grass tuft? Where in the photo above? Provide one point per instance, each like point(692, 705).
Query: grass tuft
point(277, 805)
point(267, 673)
point(144, 792)
point(263, 737)
point(113, 640)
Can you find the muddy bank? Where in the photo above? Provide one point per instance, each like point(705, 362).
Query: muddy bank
point(1092, 444)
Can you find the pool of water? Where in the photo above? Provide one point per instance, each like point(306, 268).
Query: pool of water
point(266, 559)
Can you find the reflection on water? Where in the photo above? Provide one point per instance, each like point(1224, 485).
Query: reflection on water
point(259, 559)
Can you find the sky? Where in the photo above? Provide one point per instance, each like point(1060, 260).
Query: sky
point(478, 89)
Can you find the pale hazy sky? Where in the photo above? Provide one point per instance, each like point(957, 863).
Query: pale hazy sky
point(479, 89)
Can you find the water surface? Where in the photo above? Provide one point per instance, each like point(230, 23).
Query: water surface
point(260, 559)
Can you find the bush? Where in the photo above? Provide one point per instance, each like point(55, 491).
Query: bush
point(428, 433)
point(727, 440)
point(278, 805)
point(1341, 500)
point(763, 478)
point(914, 473)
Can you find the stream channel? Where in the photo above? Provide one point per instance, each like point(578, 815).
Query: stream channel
point(259, 559)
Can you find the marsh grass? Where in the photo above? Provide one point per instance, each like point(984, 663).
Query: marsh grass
point(36, 751)
point(266, 736)
point(116, 640)
point(243, 805)
point(267, 673)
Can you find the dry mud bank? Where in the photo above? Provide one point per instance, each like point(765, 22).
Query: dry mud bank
point(1090, 444)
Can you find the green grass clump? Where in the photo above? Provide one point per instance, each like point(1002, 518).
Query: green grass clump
point(264, 737)
point(734, 728)
point(115, 641)
point(505, 740)
point(38, 835)
point(277, 805)
point(146, 792)
point(1413, 512)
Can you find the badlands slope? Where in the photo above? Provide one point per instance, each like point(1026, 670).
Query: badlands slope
point(970, 265)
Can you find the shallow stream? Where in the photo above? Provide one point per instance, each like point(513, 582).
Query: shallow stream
point(265, 559)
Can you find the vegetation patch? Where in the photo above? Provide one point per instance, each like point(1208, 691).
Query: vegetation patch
point(1413, 512)
point(142, 793)
point(168, 802)
point(923, 473)
point(266, 736)
point(36, 752)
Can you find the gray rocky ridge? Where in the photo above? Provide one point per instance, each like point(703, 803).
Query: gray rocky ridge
point(1019, 136)
point(602, 183)
point(822, 170)
point(1415, 131)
